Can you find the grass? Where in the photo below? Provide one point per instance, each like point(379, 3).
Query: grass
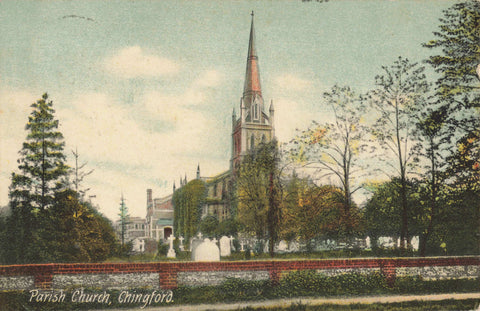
point(468, 304)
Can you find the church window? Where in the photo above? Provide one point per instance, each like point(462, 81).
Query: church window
point(263, 138)
point(215, 190)
point(252, 142)
point(255, 111)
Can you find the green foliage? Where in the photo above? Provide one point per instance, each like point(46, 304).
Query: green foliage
point(75, 232)
point(41, 162)
point(401, 90)
point(384, 209)
point(209, 226)
point(333, 148)
point(187, 204)
point(260, 192)
point(124, 218)
point(311, 283)
point(310, 211)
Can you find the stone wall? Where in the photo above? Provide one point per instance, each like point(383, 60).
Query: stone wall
point(167, 275)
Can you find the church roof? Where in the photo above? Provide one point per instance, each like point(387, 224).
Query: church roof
point(252, 75)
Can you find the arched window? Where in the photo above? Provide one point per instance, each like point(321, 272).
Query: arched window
point(255, 111)
point(252, 142)
point(263, 139)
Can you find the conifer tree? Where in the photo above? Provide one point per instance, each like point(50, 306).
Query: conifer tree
point(42, 172)
point(42, 161)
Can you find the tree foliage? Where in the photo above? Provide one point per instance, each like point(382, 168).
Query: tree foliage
point(333, 148)
point(187, 203)
point(260, 191)
point(47, 222)
point(310, 211)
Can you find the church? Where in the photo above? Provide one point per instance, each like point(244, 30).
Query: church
point(254, 125)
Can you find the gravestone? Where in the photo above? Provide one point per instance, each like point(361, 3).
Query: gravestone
point(195, 242)
point(225, 248)
point(367, 242)
point(207, 251)
point(294, 246)
point(282, 246)
point(171, 251)
point(181, 243)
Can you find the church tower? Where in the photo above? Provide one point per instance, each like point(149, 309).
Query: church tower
point(254, 125)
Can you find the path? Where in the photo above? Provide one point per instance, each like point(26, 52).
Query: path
point(309, 301)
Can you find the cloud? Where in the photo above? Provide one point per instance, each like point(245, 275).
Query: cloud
point(208, 79)
point(292, 82)
point(133, 62)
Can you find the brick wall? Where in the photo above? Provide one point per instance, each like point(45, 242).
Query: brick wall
point(168, 275)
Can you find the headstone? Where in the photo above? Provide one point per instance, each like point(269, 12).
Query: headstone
point(232, 247)
point(282, 246)
point(294, 246)
point(181, 243)
point(368, 242)
point(265, 247)
point(207, 251)
point(142, 246)
point(225, 248)
point(171, 251)
point(241, 245)
point(214, 240)
point(200, 235)
point(193, 246)
point(415, 242)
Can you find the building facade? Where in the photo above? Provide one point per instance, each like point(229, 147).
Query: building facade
point(254, 125)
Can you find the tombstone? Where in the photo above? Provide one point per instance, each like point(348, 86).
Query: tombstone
point(415, 242)
point(195, 242)
point(294, 246)
point(171, 251)
point(214, 240)
point(142, 246)
point(181, 243)
point(232, 247)
point(241, 246)
point(282, 246)
point(368, 242)
point(207, 251)
point(265, 247)
point(225, 247)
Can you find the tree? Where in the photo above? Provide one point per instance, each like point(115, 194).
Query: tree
point(433, 145)
point(259, 192)
point(458, 38)
point(42, 172)
point(79, 175)
point(42, 161)
point(400, 91)
point(312, 211)
point(333, 148)
point(124, 219)
point(458, 89)
point(75, 232)
point(385, 207)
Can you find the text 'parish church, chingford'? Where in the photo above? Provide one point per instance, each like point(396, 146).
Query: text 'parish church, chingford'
point(253, 126)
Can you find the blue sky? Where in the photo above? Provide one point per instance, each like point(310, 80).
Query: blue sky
point(145, 89)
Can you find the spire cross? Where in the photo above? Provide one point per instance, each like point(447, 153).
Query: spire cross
point(252, 14)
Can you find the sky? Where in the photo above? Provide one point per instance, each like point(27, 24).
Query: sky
point(144, 90)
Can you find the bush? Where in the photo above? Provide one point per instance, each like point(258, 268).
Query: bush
point(311, 283)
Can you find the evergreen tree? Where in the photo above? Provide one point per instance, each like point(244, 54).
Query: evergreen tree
point(124, 219)
point(42, 161)
point(42, 172)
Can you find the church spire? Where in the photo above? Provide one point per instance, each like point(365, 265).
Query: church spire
point(252, 75)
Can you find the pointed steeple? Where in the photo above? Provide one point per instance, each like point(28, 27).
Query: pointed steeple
point(252, 76)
